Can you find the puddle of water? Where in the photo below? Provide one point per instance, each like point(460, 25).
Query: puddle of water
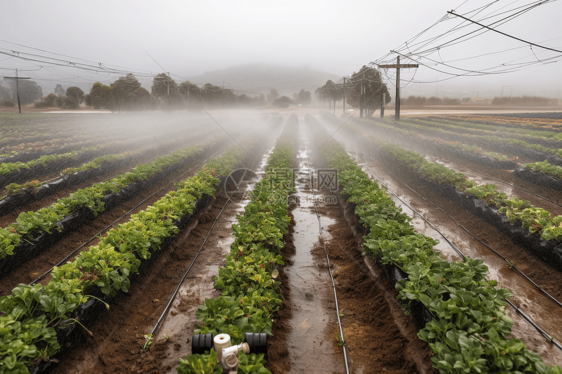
point(311, 349)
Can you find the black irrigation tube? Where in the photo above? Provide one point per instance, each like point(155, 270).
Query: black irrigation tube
point(169, 305)
point(114, 222)
point(517, 309)
point(165, 312)
point(320, 230)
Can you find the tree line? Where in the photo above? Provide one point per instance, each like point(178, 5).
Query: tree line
point(367, 79)
point(126, 93)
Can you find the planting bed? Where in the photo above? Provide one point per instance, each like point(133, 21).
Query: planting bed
point(151, 259)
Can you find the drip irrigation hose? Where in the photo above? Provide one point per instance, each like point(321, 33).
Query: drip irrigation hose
point(511, 265)
point(528, 319)
point(168, 306)
point(517, 309)
point(416, 212)
point(320, 229)
point(114, 222)
point(521, 188)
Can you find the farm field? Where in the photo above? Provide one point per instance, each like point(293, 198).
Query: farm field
point(328, 243)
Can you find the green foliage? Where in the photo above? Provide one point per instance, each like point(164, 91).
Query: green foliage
point(536, 220)
point(199, 364)
point(11, 167)
point(469, 331)
point(29, 316)
point(29, 225)
point(250, 293)
point(546, 168)
point(251, 364)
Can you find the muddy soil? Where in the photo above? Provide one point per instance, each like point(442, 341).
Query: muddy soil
point(117, 343)
point(533, 302)
point(37, 266)
point(377, 334)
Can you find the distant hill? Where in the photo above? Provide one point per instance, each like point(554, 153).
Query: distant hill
point(261, 78)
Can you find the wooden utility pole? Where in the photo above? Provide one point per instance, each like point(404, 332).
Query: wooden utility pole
point(17, 87)
point(397, 66)
point(344, 94)
point(361, 98)
point(383, 104)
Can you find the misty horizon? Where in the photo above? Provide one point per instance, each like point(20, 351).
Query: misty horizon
point(203, 43)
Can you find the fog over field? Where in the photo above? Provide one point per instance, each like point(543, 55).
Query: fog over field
point(199, 40)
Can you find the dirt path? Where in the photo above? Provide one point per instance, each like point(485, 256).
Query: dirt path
point(378, 336)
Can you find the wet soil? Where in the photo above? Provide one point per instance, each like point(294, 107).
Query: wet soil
point(378, 336)
point(533, 302)
point(278, 345)
point(37, 266)
point(117, 343)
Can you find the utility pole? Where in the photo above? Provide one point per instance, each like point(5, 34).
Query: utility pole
point(361, 97)
point(383, 104)
point(344, 94)
point(398, 66)
point(17, 78)
point(169, 100)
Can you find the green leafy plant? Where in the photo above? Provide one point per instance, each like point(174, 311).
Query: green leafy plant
point(469, 331)
point(30, 316)
point(341, 343)
point(199, 364)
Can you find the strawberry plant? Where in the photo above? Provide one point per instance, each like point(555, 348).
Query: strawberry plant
point(469, 331)
point(29, 225)
point(250, 292)
point(546, 168)
point(536, 220)
point(199, 364)
point(30, 315)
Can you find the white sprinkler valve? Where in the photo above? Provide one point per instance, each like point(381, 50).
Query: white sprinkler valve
point(230, 356)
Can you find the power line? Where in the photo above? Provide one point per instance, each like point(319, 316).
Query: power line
point(503, 33)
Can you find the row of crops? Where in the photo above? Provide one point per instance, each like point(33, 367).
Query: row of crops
point(468, 330)
point(250, 292)
point(458, 307)
point(40, 321)
point(43, 321)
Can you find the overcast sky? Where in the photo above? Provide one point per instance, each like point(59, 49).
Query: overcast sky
point(191, 37)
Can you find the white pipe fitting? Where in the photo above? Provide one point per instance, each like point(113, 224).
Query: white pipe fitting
point(230, 355)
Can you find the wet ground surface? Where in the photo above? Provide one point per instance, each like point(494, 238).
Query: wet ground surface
point(311, 347)
point(378, 337)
